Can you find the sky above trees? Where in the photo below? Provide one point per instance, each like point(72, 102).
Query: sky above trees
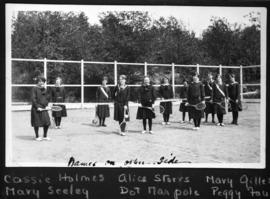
point(194, 18)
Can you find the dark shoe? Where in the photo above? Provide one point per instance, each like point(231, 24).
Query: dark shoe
point(104, 125)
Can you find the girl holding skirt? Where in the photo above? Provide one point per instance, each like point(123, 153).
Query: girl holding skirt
point(208, 88)
point(58, 98)
point(195, 95)
point(147, 97)
point(121, 94)
point(166, 92)
point(103, 95)
point(39, 109)
point(219, 95)
point(234, 98)
point(183, 108)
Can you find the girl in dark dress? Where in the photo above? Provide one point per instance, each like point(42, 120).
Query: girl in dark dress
point(103, 95)
point(219, 94)
point(147, 97)
point(58, 98)
point(208, 88)
point(234, 98)
point(39, 110)
point(183, 108)
point(195, 95)
point(166, 92)
point(121, 94)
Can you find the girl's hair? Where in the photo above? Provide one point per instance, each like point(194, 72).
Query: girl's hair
point(41, 79)
point(185, 80)
point(163, 79)
point(123, 77)
point(105, 78)
point(217, 76)
point(195, 74)
point(59, 78)
point(232, 75)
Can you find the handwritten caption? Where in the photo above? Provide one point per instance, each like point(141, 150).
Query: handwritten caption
point(133, 185)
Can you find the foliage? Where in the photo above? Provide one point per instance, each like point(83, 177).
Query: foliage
point(129, 36)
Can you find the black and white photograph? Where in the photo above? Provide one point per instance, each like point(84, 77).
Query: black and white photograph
point(135, 86)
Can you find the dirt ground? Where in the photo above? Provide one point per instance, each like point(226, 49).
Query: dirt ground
point(85, 142)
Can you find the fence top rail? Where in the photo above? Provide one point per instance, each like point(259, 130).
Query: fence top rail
point(97, 62)
point(184, 65)
point(252, 66)
point(30, 60)
point(127, 63)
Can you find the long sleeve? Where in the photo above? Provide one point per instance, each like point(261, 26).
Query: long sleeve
point(114, 93)
point(127, 96)
point(226, 91)
point(52, 95)
point(188, 94)
point(34, 98)
point(109, 94)
point(160, 91)
point(202, 92)
point(213, 90)
point(238, 91)
point(153, 95)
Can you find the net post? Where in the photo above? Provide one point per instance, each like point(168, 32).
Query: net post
point(198, 68)
point(241, 83)
point(82, 83)
point(220, 69)
point(45, 71)
point(145, 68)
point(173, 79)
point(115, 73)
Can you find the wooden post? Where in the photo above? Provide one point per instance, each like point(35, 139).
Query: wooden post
point(198, 69)
point(173, 79)
point(82, 83)
point(241, 82)
point(220, 69)
point(145, 68)
point(45, 71)
point(115, 73)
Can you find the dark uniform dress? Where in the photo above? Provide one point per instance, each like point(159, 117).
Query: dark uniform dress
point(121, 98)
point(219, 95)
point(103, 110)
point(40, 99)
point(208, 88)
point(166, 92)
point(147, 98)
point(58, 97)
point(195, 95)
point(234, 94)
point(183, 95)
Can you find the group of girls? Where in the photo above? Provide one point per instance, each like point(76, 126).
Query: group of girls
point(40, 101)
point(215, 94)
point(212, 93)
